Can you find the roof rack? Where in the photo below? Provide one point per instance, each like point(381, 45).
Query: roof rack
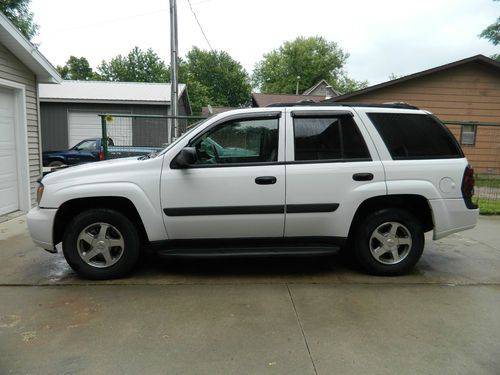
point(398, 105)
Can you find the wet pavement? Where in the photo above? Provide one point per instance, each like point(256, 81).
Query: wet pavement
point(253, 316)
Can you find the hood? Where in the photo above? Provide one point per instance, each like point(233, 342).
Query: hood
point(101, 170)
point(54, 152)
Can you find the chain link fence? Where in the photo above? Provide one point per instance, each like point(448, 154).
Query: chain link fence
point(134, 135)
point(481, 145)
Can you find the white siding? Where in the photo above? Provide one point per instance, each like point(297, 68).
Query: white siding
point(12, 69)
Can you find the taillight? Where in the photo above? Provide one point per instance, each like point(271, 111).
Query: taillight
point(101, 155)
point(468, 187)
point(39, 193)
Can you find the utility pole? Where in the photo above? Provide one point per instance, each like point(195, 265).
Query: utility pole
point(173, 129)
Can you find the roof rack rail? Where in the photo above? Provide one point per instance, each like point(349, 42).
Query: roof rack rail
point(398, 105)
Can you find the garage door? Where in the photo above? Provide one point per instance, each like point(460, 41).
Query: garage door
point(83, 125)
point(9, 179)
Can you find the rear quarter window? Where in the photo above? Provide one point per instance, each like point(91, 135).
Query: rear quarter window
point(415, 136)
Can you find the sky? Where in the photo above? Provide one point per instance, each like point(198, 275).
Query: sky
point(382, 37)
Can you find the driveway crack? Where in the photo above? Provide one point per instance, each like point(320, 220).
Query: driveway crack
point(301, 329)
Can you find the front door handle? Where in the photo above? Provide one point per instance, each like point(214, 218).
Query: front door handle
point(362, 176)
point(265, 180)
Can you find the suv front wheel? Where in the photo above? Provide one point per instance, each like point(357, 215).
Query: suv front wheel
point(101, 244)
point(389, 242)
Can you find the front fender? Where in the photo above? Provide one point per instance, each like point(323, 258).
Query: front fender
point(146, 204)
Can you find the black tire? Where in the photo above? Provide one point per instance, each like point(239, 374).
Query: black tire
point(55, 163)
point(115, 226)
point(380, 257)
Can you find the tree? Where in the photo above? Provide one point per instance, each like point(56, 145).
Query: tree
point(492, 33)
point(306, 60)
point(137, 66)
point(212, 77)
point(394, 76)
point(18, 11)
point(215, 78)
point(77, 69)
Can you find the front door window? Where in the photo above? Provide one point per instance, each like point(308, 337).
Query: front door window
point(239, 142)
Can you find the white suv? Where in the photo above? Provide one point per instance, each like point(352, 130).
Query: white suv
point(290, 180)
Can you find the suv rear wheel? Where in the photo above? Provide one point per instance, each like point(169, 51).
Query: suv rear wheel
point(101, 244)
point(389, 242)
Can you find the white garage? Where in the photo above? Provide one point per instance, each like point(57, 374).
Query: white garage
point(9, 179)
point(83, 125)
point(69, 112)
point(22, 67)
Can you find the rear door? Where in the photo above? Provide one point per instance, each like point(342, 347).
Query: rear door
point(331, 168)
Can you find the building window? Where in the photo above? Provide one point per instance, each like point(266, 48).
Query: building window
point(468, 135)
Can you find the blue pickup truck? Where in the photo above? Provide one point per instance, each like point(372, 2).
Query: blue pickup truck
point(91, 150)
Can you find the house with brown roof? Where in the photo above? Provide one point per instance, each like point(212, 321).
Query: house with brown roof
point(317, 93)
point(322, 88)
point(263, 100)
point(464, 94)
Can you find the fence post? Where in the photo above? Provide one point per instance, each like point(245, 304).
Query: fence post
point(104, 143)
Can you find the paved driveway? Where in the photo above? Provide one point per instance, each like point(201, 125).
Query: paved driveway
point(253, 316)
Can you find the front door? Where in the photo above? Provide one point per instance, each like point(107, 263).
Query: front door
point(236, 188)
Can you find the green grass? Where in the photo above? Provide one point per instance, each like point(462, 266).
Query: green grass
point(488, 206)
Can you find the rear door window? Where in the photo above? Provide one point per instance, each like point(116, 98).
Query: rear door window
point(335, 138)
point(415, 136)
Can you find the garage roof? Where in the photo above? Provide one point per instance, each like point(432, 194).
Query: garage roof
point(26, 52)
point(108, 92)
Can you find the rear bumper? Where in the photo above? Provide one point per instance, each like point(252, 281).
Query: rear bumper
point(40, 225)
point(452, 215)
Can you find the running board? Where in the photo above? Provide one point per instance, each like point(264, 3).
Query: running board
point(251, 247)
point(227, 252)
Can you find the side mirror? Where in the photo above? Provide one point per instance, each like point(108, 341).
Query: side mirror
point(186, 158)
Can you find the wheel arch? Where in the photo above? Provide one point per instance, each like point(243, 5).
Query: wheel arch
point(415, 204)
point(52, 159)
point(70, 208)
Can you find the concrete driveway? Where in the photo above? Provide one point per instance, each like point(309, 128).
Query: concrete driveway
point(253, 316)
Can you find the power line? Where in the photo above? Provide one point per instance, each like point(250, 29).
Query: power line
point(108, 21)
point(199, 24)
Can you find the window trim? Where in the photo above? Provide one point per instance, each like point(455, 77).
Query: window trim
point(334, 115)
point(320, 114)
point(245, 117)
point(474, 132)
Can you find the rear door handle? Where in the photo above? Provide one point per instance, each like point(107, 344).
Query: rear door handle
point(265, 180)
point(362, 176)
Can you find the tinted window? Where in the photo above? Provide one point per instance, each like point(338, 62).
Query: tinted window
point(240, 141)
point(415, 136)
point(86, 146)
point(328, 138)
